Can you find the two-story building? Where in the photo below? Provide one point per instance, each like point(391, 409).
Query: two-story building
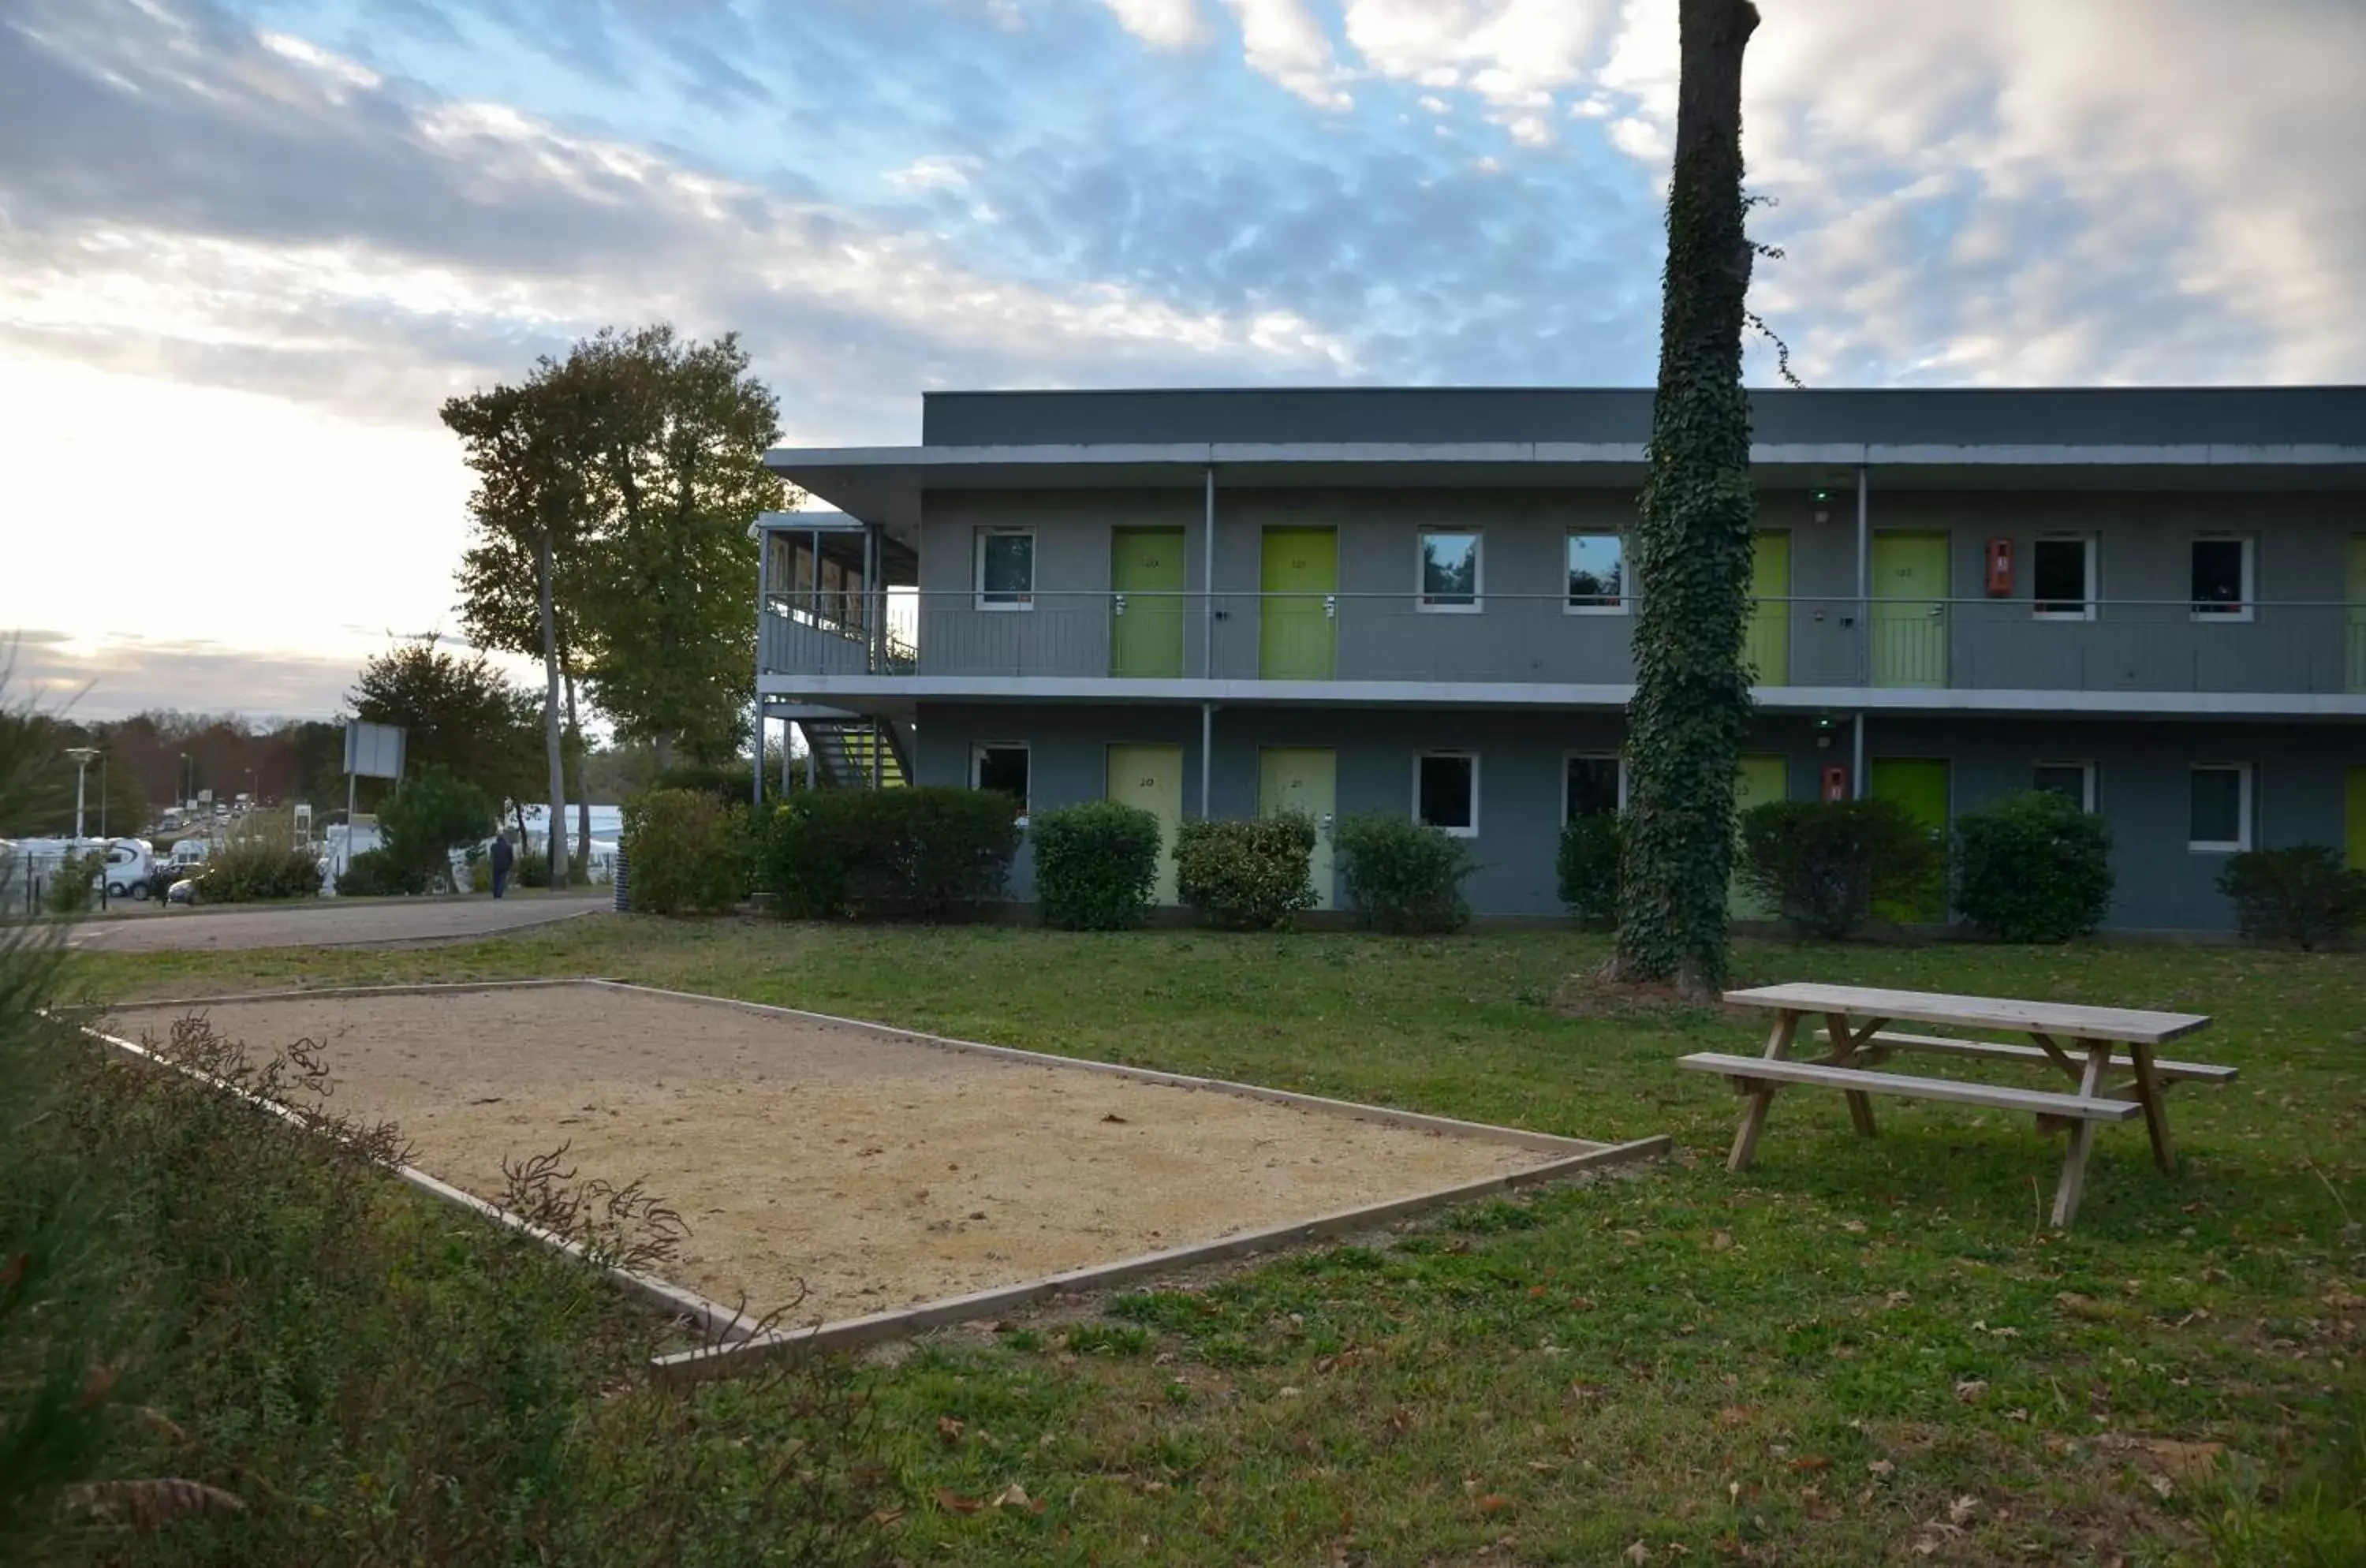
point(1415, 600)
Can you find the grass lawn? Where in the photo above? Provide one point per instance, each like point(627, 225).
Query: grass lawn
point(1861, 1351)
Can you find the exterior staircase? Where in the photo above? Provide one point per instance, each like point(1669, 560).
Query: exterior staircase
point(853, 751)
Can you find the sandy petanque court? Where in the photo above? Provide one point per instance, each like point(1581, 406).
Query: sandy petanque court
point(879, 1169)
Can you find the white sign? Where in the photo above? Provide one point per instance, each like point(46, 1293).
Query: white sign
point(373, 751)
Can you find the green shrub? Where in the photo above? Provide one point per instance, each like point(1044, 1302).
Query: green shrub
point(2304, 895)
point(1256, 874)
point(257, 867)
point(916, 853)
point(2033, 867)
point(429, 817)
point(1095, 864)
point(534, 871)
point(1823, 865)
point(70, 889)
point(688, 850)
point(373, 874)
point(1402, 875)
point(1591, 848)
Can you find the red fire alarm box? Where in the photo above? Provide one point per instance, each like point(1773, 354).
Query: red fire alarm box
point(1836, 783)
point(2000, 567)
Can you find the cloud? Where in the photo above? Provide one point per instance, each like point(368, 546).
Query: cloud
point(1162, 24)
point(1280, 38)
point(116, 679)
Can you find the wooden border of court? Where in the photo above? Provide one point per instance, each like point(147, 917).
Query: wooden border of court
point(740, 1343)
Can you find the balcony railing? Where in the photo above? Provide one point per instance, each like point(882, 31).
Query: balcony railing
point(1983, 644)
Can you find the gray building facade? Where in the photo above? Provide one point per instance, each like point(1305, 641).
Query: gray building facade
point(1214, 603)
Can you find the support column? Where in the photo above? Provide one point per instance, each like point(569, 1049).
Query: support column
point(1207, 754)
point(1208, 585)
point(1856, 759)
point(1863, 582)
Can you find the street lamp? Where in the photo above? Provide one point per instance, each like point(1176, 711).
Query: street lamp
point(82, 756)
point(189, 790)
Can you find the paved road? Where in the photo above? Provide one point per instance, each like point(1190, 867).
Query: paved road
point(328, 924)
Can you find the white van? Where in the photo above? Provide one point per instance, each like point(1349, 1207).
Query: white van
point(131, 871)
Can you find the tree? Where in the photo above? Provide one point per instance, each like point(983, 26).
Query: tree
point(1692, 693)
point(672, 613)
point(430, 815)
point(458, 714)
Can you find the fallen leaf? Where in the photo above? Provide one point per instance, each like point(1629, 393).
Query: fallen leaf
point(949, 1429)
point(96, 1385)
point(2338, 1300)
point(952, 1502)
point(1638, 1552)
point(1113, 1116)
point(1811, 1461)
point(1734, 1414)
point(13, 1270)
point(1015, 1497)
point(1582, 1303)
point(1494, 1503)
point(163, 1426)
point(2185, 1462)
point(2160, 1484)
point(1971, 1390)
point(1961, 1510)
point(1287, 1392)
point(1721, 1241)
point(886, 1515)
point(1883, 1468)
point(1896, 1299)
point(1855, 1227)
point(2016, 1414)
point(1925, 1547)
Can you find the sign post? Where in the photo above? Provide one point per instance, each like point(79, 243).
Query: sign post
point(372, 751)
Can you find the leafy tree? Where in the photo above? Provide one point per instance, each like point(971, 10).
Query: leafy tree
point(460, 713)
point(428, 816)
point(1692, 693)
point(43, 804)
point(681, 432)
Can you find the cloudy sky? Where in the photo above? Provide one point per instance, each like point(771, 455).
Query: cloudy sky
point(246, 246)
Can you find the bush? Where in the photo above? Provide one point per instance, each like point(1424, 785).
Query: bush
point(1823, 865)
point(2032, 867)
point(1256, 874)
point(373, 874)
point(2304, 895)
point(534, 871)
point(1402, 875)
point(430, 815)
point(915, 853)
point(260, 863)
point(1095, 864)
point(1592, 848)
point(688, 850)
point(69, 892)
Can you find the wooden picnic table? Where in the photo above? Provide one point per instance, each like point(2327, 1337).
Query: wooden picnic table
point(2079, 1040)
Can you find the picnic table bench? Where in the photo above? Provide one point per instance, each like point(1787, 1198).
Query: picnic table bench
point(2079, 1040)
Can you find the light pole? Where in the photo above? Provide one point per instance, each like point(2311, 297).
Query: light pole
point(189, 790)
point(82, 756)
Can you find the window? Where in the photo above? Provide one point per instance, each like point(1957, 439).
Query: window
point(2062, 578)
point(1001, 766)
point(1598, 575)
point(1450, 570)
point(1006, 569)
point(1591, 786)
point(2219, 813)
point(2073, 781)
point(2222, 578)
point(1446, 792)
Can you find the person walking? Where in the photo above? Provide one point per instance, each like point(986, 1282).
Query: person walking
point(504, 858)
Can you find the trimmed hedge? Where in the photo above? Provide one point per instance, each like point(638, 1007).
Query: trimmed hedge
point(253, 870)
point(1591, 848)
point(1095, 864)
point(924, 853)
point(1822, 865)
point(1402, 875)
point(688, 851)
point(1254, 874)
point(373, 874)
point(2033, 867)
point(2305, 895)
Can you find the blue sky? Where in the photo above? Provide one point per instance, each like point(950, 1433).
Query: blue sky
point(246, 246)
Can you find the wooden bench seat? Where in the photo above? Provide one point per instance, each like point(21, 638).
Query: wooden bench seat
point(1763, 1069)
point(1999, 1051)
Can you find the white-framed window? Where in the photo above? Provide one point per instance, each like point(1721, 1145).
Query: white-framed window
point(2062, 577)
point(2222, 571)
point(1006, 569)
point(1593, 783)
point(2073, 781)
point(2218, 807)
point(1449, 562)
point(1446, 792)
point(1001, 766)
point(1597, 574)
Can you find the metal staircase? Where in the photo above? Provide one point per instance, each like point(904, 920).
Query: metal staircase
point(857, 753)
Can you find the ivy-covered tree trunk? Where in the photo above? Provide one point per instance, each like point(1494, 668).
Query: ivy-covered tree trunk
point(1692, 556)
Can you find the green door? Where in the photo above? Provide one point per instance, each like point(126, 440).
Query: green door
point(1296, 778)
point(1300, 575)
point(2355, 659)
point(1146, 602)
point(1919, 785)
point(1150, 778)
point(2353, 818)
point(1761, 778)
point(1910, 609)
point(1768, 647)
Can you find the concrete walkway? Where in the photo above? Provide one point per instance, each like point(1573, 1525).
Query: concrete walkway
point(330, 924)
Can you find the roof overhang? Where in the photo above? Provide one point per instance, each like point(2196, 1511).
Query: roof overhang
point(883, 484)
